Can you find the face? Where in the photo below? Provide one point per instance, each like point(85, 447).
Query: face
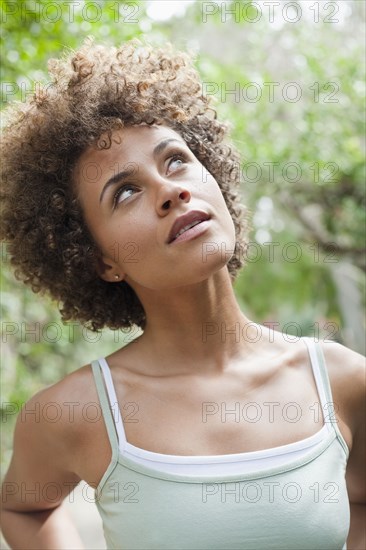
point(133, 193)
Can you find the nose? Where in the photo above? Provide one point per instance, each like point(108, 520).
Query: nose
point(170, 195)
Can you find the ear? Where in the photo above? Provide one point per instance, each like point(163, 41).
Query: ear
point(108, 270)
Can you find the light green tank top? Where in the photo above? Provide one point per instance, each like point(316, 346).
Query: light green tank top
point(300, 503)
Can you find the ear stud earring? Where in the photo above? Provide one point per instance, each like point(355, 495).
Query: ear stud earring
point(116, 277)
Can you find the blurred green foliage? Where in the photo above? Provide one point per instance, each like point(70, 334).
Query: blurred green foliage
point(293, 91)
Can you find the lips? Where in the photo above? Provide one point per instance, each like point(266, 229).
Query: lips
point(185, 222)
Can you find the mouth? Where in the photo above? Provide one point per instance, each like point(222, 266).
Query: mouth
point(185, 224)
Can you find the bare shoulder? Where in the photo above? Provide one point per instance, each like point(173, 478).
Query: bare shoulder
point(75, 386)
point(57, 416)
point(346, 369)
point(64, 404)
point(343, 361)
point(347, 376)
point(45, 438)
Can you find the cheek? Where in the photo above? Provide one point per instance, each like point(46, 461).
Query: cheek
point(127, 249)
point(134, 248)
point(214, 192)
point(224, 213)
point(223, 238)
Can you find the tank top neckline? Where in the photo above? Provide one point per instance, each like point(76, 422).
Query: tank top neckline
point(125, 446)
point(121, 456)
point(180, 495)
point(230, 457)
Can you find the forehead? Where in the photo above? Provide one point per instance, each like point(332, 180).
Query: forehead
point(127, 142)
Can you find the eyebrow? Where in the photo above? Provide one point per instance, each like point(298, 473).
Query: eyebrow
point(124, 174)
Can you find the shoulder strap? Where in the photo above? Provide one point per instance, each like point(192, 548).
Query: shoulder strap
point(321, 378)
point(113, 402)
point(104, 403)
point(324, 389)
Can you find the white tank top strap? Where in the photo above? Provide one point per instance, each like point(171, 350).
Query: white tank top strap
point(322, 381)
point(116, 413)
point(324, 399)
point(324, 389)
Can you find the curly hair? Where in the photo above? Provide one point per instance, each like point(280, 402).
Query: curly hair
point(93, 92)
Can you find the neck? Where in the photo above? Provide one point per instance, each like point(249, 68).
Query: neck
point(197, 327)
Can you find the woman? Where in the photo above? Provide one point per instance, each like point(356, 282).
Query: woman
point(120, 199)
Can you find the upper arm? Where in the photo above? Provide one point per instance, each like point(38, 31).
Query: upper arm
point(347, 375)
point(39, 477)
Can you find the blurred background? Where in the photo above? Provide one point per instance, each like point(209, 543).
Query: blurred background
point(290, 79)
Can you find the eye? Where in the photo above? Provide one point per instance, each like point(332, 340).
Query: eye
point(123, 193)
point(177, 161)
